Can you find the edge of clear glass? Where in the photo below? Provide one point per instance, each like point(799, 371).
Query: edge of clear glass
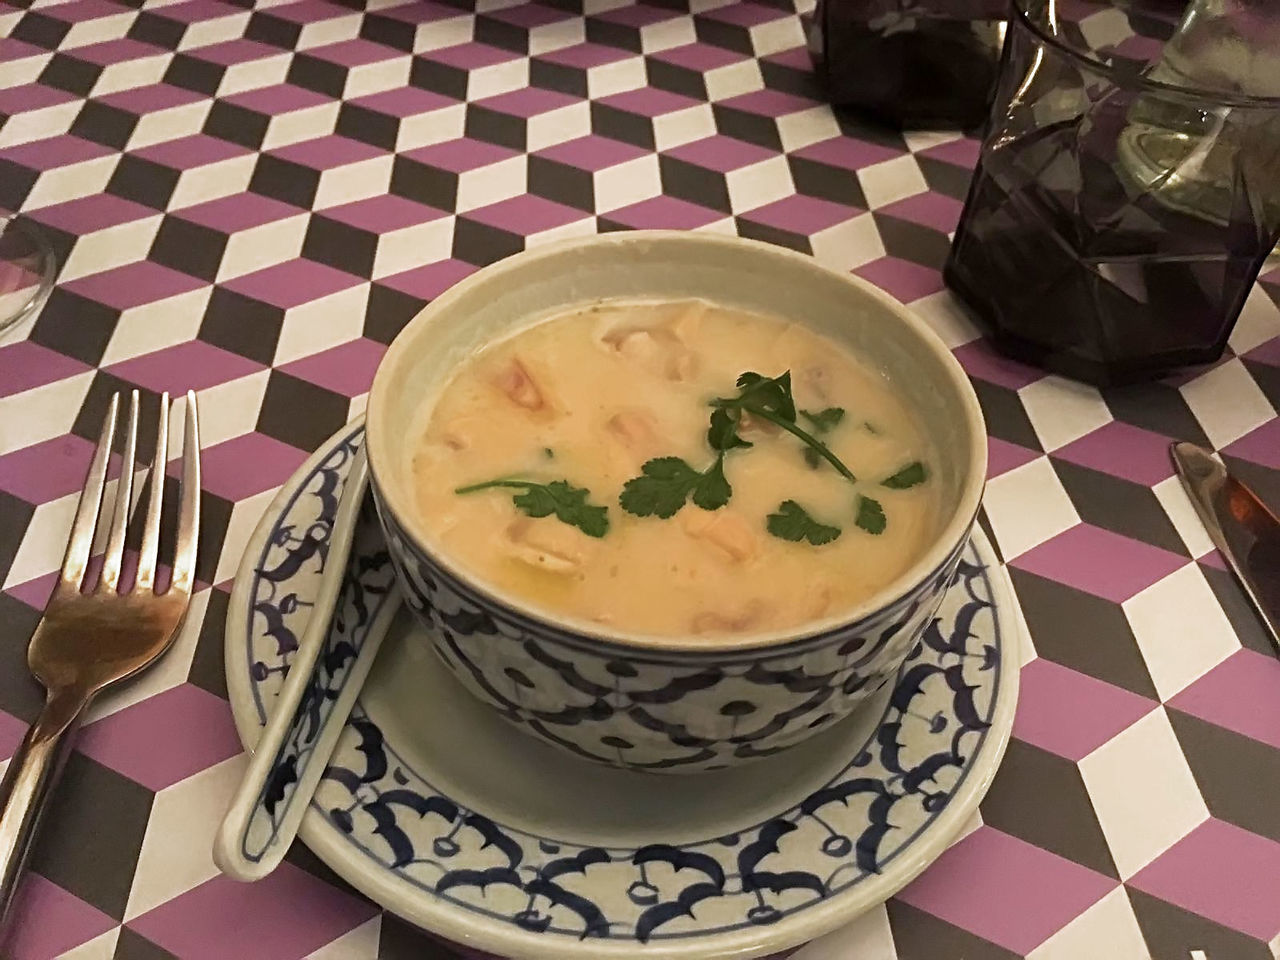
point(48, 272)
point(1218, 98)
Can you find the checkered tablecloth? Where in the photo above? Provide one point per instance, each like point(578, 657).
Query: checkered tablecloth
point(250, 199)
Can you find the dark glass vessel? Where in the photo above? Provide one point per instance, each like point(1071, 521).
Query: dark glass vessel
point(1115, 224)
point(910, 63)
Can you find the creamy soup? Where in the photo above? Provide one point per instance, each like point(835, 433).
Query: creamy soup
point(614, 465)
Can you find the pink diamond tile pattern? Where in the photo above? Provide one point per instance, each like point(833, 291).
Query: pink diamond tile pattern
point(46, 471)
point(184, 194)
point(192, 365)
point(1223, 872)
point(195, 924)
point(48, 921)
point(346, 369)
point(1242, 694)
point(1122, 450)
point(1071, 714)
point(1006, 890)
point(197, 733)
point(248, 465)
point(1003, 456)
point(26, 365)
point(1100, 562)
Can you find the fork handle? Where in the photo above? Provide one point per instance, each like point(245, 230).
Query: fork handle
point(29, 780)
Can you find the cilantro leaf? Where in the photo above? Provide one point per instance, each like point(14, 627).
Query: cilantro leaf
point(770, 399)
point(559, 498)
point(910, 475)
point(761, 394)
point(722, 435)
point(712, 490)
point(870, 515)
point(568, 503)
point(661, 489)
point(824, 421)
point(792, 522)
point(666, 483)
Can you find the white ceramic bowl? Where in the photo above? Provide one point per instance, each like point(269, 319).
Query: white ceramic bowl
point(626, 699)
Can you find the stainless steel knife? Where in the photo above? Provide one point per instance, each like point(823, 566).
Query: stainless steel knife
point(1242, 527)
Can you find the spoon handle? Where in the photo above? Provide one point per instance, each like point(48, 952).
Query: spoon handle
point(354, 608)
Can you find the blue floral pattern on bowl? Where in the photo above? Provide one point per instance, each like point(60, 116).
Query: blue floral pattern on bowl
point(894, 789)
point(279, 614)
point(652, 709)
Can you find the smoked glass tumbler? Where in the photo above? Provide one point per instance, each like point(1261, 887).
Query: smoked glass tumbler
point(1128, 189)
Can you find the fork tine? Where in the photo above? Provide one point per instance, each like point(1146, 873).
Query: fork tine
point(113, 559)
point(80, 542)
point(184, 556)
point(150, 548)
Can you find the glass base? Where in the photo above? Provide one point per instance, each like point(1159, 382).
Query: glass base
point(1073, 365)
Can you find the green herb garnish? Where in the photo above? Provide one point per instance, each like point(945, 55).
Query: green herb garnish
point(722, 435)
point(770, 399)
point(870, 515)
point(567, 502)
point(548, 453)
point(666, 483)
point(824, 421)
point(910, 475)
point(792, 522)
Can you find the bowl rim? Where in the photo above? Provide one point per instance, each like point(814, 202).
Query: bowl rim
point(381, 452)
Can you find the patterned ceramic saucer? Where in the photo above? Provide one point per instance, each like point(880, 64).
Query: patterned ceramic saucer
point(437, 809)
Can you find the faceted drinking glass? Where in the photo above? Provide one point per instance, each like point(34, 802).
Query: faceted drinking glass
point(909, 63)
point(1128, 190)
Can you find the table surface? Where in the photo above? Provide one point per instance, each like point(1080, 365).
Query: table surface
point(250, 200)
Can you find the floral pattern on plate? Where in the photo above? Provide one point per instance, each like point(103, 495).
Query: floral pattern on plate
point(947, 714)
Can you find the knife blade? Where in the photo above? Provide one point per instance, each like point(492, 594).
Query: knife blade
point(1241, 526)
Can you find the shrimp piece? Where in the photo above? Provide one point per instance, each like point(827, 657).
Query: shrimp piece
point(551, 546)
point(689, 321)
point(727, 532)
point(521, 389)
point(682, 366)
point(659, 349)
point(757, 425)
point(461, 432)
point(818, 380)
point(820, 605)
point(752, 615)
point(636, 431)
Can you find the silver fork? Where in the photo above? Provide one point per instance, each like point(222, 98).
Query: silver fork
point(93, 634)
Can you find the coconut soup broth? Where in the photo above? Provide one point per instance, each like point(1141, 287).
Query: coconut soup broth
point(592, 396)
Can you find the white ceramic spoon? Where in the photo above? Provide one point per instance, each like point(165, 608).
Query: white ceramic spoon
point(355, 606)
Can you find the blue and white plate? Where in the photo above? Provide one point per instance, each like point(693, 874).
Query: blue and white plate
point(440, 811)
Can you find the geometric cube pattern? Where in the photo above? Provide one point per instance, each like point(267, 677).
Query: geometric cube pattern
point(250, 199)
